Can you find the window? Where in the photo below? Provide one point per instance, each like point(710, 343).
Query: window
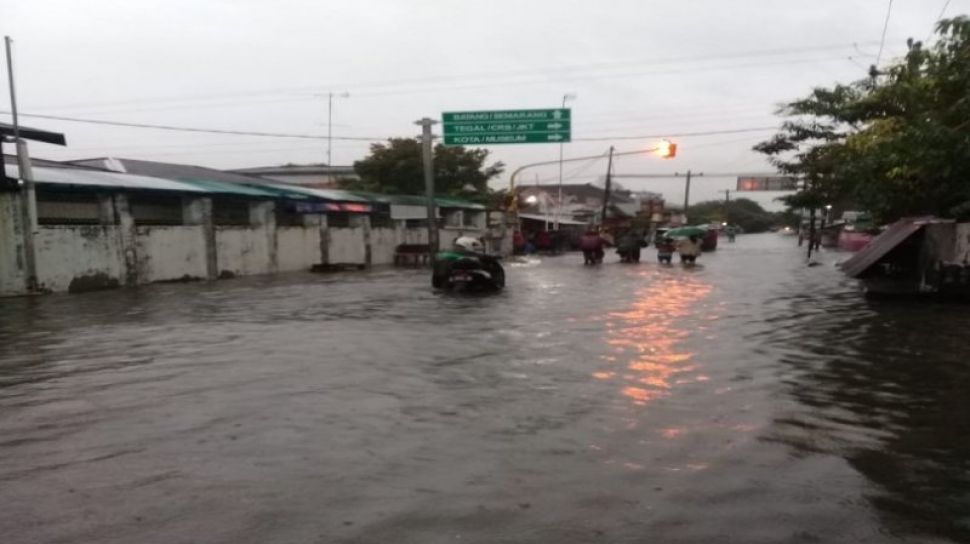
point(67, 208)
point(230, 212)
point(338, 219)
point(286, 217)
point(156, 209)
point(381, 221)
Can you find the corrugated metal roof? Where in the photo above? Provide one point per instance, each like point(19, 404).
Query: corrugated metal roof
point(881, 245)
point(167, 170)
point(419, 200)
point(236, 189)
point(327, 194)
point(83, 177)
point(551, 219)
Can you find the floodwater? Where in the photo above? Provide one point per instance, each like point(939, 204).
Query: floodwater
point(750, 400)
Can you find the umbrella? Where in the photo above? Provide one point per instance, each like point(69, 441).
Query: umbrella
point(686, 232)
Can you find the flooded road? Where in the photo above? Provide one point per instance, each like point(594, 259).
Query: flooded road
point(749, 400)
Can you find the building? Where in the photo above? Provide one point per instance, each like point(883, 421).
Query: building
point(310, 175)
point(102, 225)
point(584, 202)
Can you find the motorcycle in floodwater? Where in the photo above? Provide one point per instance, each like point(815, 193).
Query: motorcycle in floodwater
point(592, 256)
point(467, 268)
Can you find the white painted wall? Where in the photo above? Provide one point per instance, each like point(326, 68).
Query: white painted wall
point(170, 253)
point(70, 252)
point(384, 242)
point(11, 265)
point(347, 245)
point(298, 248)
point(962, 250)
point(242, 250)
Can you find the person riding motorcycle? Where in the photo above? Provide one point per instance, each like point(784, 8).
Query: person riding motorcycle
point(468, 254)
point(592, 244)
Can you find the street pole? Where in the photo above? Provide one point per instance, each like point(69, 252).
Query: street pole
point(330, 132)
point(606, 192)
point(686, 195)
point(559, 197)
point(427, 153)
point(25, 173)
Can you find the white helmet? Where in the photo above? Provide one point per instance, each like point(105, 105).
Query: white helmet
point(468, 243)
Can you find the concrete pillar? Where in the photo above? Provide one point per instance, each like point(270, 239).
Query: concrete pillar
point(12, 260)
point(106, 210)
point(262, 215)
point(324, 241)
point(368, 249)
point(198, 211)
point(128, 238)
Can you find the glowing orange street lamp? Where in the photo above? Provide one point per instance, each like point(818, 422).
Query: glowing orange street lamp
point(666, 149)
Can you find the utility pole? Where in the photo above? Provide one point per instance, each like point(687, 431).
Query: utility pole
point(559, 197)
point(686, 194)
point(606, 192)
point(727, 195)
point(428, 155)
point(330, 131)
point(25, 173)
point(687, 191)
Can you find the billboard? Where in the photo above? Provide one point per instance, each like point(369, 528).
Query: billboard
point(767, 183)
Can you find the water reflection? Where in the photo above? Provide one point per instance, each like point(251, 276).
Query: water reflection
point(649, 338)
point(884, 387)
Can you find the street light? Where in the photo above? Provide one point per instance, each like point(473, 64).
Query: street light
point(565, 97)
point(330, 96)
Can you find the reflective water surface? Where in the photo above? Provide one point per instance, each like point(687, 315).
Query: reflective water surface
point(749, 400)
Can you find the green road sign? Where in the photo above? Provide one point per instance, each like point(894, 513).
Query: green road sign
point(507, 127)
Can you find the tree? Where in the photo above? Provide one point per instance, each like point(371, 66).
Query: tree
point(744, 212)
point(896, 143)
point(397, 167)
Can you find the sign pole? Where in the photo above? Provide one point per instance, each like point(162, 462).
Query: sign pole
point(606, 192)
point(428, 155)
point(686, 195)
point(25, 173)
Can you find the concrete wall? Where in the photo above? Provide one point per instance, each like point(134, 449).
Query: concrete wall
point(80, 258)
point(170, 253)
point(119, 252)
point(12, 279)
point(298, 248)
point(347, 246)
point(383, 242)
point(961, 252)
point(242, 251)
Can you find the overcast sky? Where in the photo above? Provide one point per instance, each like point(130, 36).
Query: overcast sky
point(637, 68)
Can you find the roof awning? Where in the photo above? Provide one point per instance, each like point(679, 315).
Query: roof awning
point(881, 245)
point(551, 219)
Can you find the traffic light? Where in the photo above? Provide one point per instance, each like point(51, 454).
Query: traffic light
point(667, 149)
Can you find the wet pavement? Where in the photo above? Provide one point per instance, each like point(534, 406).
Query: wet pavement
point(749, 400)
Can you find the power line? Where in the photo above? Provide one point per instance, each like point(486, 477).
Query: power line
point(676, 134)
point(202, 130)
point(490, 76)
point(885, 26)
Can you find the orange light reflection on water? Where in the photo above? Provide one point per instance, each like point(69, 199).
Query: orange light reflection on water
point(647, 338)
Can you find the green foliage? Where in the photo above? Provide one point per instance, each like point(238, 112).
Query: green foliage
point(897, 143)
point(396, 167)
point(743, 212)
